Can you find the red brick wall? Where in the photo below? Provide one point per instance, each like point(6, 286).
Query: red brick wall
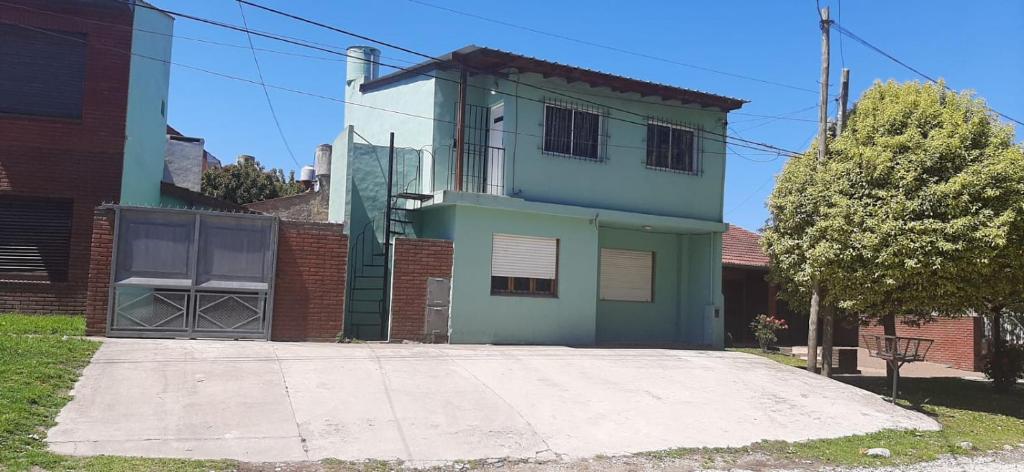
point(415, 261)
point(98, 292)
point(957, 341)
point(309, 291)
point(79, 159)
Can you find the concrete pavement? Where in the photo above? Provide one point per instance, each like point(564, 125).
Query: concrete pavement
point(261, 401)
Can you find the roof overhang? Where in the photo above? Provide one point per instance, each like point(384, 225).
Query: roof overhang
point(480, 60)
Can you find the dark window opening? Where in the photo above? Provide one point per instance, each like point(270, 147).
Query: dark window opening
point(35, 238)
point(522, 286)
point(43, 72)
point(671, 148)
point(572, 132)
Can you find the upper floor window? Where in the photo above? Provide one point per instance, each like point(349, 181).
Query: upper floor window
point(43, 72)
point(671, 147)
point(573, 132)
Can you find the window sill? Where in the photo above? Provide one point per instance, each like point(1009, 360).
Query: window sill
point(4, 281)
point(573, 157)
point(672, 171)
point(55, 119)
point(523, 295)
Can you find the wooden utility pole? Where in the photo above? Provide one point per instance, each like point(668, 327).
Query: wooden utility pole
point(812, 320)
point(828, 320)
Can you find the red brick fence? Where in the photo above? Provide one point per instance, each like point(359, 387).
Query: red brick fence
point(958, 341)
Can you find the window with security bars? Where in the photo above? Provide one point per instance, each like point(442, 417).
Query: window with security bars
point(573, 132)
point(672, 147)
point(35, 238)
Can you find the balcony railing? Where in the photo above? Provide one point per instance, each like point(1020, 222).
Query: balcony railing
point(483, 170)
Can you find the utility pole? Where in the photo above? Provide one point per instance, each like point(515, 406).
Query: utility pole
point(828, 313)
point(812, 320)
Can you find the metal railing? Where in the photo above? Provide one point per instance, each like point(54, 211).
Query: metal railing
point(483, 170)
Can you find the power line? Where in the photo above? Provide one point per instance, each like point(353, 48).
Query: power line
point(266, 93)
point(306, 93)
point(608, 47)
point(864, 42)
point(432, 58)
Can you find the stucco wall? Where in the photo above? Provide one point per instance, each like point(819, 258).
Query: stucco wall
point(622, 181)
point(146, 127)
point(479, 317)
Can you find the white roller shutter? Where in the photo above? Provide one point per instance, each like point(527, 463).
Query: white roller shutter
point(626, 275)
point(524, 256)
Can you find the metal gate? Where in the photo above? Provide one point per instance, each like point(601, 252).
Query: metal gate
point(191, 273)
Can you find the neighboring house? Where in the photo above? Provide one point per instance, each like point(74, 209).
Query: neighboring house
point(310, 205)
point(82, 122)
point(583, 207)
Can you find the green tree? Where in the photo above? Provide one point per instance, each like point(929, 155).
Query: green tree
point(247, 182)
point(916, 211)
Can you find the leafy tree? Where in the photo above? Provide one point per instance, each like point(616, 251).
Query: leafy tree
point(918, 210)
point(247, 182)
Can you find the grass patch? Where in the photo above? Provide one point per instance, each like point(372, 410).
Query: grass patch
point(968, 410)
point(777, 357)
point(41, 357)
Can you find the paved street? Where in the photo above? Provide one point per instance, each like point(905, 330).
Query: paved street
point(263, 401)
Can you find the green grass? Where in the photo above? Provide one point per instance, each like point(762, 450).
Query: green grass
point(780, 358)
point(968, 410)
point(41, 357)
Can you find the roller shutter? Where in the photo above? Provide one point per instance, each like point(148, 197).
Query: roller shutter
point(524, 256)
point(627, 275)
point(35, 235)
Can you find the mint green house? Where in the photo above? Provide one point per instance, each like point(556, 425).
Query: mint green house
point(584, 208)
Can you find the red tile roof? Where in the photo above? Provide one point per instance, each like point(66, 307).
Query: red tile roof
point(742, 248)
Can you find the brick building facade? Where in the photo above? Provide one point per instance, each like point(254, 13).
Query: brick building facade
point(957, 342)
point(54, 157)
point(415, 261)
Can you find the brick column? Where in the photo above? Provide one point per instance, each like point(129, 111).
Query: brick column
point(97, 288)
point(415, 261)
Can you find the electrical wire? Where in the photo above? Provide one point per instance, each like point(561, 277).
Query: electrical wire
point(608, 47)
point(266, 93)
point(892, 58)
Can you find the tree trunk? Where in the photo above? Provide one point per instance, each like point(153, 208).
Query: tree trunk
point(827, 328)
point(997, 331)
point(812, 329)
point(888, 323)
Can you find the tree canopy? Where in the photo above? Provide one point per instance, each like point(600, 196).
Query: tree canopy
point(918, 209)
point(247, 182)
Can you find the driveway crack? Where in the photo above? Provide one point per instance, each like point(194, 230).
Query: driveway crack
point(291, 405)
point(391, 403)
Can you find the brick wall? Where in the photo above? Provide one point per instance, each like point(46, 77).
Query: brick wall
point(80, 159)
point(957, 341)
point(98, 292)
point(309, 291)
point(309, 288)
point(415, 260)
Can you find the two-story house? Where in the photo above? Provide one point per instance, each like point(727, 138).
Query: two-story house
point(584, 207)
point(83, 116)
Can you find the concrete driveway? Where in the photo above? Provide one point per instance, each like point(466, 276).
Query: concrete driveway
point(262, 401)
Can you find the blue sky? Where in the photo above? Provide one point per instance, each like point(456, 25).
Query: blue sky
point(973, 45)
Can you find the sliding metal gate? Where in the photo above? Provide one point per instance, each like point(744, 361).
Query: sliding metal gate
point(191, 273)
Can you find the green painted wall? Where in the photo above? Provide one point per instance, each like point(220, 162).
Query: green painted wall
point(535, 176)
point(479, 317)
point(639, 322)
point(146, 124)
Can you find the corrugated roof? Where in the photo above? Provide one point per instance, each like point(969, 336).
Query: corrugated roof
point(742, 248)
point(488, 60)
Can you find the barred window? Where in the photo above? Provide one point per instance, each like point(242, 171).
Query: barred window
point(572, 132)
point(671, 147)
point(35, 237)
